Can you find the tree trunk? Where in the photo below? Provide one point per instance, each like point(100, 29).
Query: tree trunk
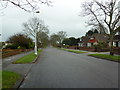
point(111, 45)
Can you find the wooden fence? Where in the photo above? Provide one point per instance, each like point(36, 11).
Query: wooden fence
point(11, 52)
point(92, 49)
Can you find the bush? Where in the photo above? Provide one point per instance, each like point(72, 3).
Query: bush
point(67, 46)
point(31, 45)
point(18, 47)
point(21, 41)
point(1, 45)
point(100, 46)
point(13, 46)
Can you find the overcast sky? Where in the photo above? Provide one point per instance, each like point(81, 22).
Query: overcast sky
point(64, 15)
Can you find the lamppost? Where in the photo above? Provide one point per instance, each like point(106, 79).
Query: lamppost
point(36, 37)
point(35, 43)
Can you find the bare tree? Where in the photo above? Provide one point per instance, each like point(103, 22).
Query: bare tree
point(35, 26)
point(105, 15)
point(62, 35)
point(27, 5)
point(54, 39)
point(57, 39)
point(43, 38)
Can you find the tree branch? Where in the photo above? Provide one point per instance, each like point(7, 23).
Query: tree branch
point(28, 5)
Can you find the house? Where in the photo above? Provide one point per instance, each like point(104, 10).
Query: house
point(92, 41)
point(88, 41)
point(96, 38)
point(83, 41)
point(116, 41)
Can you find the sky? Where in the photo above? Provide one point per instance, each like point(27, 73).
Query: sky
point(64, 15)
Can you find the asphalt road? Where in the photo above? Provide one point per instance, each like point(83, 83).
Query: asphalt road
point(61, 69)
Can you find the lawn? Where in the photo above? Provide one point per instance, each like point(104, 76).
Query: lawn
point(28, 58)
point(0, 80)
point(104, 56)
point(75, 51)
point(9, 79)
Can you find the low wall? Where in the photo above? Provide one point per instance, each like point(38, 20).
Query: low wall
point(73, 47)
point(82, 48)
point(11, 52)
point(92, 49)
point(117, 50)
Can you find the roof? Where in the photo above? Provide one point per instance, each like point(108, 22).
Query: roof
point(101, 37)
point(85, 39)
point(92, 40)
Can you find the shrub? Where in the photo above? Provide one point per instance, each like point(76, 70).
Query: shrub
point(18, 47)
point(100, 46)
point(21, 40)
point(13, 46)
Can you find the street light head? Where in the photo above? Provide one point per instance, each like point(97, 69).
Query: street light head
point(37, 12)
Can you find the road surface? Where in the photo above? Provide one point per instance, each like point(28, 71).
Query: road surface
point(61, 69)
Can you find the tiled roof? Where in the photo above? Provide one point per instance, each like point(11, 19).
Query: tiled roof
point(97, 38)
point(101, 37)
point(92, 40)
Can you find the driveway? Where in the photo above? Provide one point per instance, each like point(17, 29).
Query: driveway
point(61, 69)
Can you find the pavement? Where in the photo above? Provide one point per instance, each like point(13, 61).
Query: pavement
point(61, 69)
point(89, 52)
point(7, 61)
point(22, 69)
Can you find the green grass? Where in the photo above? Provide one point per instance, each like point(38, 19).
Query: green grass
point(74, 51)
point(9, 79)
point(27, 59)
point(0, 80)
point(104, 56)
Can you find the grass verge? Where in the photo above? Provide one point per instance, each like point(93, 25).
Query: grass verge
point(27, 59)
point(9, 79)
point(0, 80)
point(108, 57)
point(74, 51)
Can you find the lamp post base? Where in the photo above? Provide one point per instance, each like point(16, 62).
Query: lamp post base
point(35, 53)
point(35, 50)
